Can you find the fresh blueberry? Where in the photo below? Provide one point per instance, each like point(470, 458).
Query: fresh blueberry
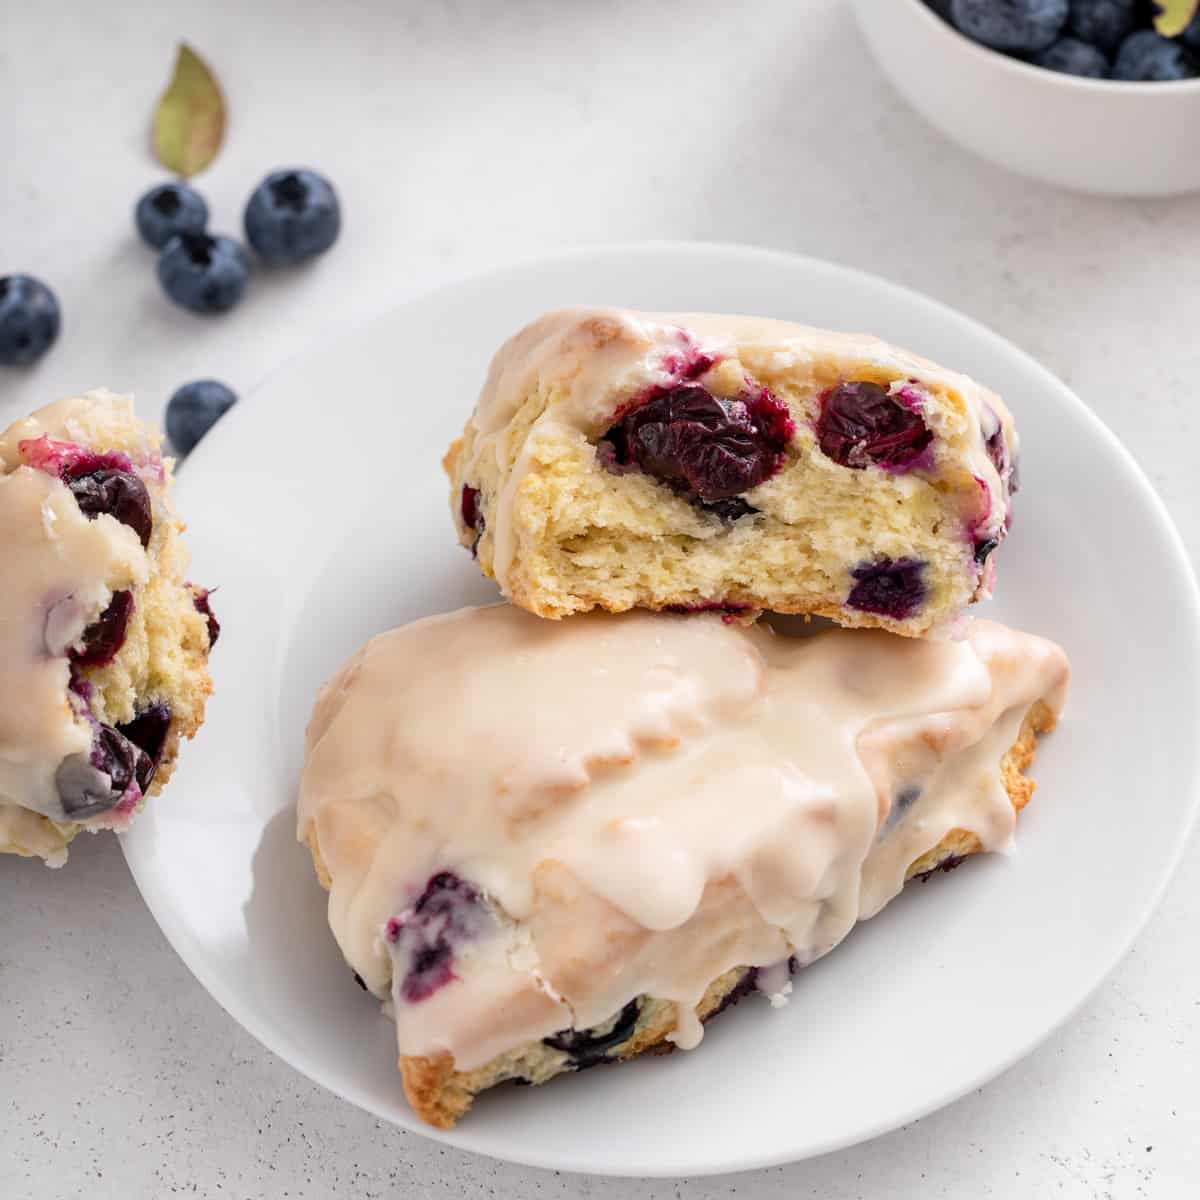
point(106, 634)
point(861, 424)
point(1102, 23)
point(1024, 26)
point(1145, 56)
point(941, 7)
point(888, 587)
point(120, 494)
point(449, 911)
point(168, 209)
point(203, 605)
point(1070, 56)
point(587, 1047)
point(704, 446)
point(1191, 35)
point(29, 319)
point(203, 273)
point(292, 216)
point(194, 409)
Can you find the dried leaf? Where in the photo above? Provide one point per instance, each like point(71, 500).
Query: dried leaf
point(1175, 16)
point(190, 119)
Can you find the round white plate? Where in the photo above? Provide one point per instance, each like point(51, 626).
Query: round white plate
point(319, 508)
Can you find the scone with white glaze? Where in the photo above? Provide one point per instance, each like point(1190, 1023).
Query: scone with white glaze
point(104, 643)
point(550, 844)
point(621, 460)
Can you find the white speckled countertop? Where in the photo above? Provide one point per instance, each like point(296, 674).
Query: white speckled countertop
point(463, 133)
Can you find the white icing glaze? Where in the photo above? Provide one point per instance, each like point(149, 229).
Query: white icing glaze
point(646, 800)
point(58, 571)
point(588, 362)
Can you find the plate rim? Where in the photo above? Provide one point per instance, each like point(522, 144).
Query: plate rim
point(180, 940)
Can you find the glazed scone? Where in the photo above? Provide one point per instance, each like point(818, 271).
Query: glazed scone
point(104, 643)
point(656, 813)
point(621, 460)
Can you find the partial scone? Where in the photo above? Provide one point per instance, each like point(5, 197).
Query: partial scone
point(103, 643)
point(550, 845)
point(623, 460)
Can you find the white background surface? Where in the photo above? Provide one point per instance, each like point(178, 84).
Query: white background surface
point(462, 135)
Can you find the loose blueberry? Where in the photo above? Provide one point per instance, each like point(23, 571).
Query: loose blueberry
point(861, 424)
point(1146, 57)
point(203, 273)
point(1025, 26)
point(120, 494)
point(106, 634)
point(168, 209)
point(1102, 23)
point(292, 216)
point(194, 409)
point(888, 587)
point(1191, 35)
point(704, 446)
point(587, 1047)
point(148, 732)
point(1070, 56)
point(448, 912)
point(200, 599)
point(29, 319)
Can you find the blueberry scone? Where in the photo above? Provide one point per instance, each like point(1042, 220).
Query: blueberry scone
point(621, 460)
point(104, 643)
point(577, 888)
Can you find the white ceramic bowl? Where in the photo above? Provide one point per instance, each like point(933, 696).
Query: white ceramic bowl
point(1090, 135)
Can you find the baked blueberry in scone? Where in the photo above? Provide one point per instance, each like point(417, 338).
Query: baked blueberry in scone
point(657, 815)
point(104, 643)
point(621, 460)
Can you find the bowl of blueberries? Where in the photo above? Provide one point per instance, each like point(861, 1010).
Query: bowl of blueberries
point(1097, 96)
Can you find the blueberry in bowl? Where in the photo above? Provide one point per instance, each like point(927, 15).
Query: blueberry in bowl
point(1028, 83)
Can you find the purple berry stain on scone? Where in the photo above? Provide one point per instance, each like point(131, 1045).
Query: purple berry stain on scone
point(203, 605)
point(590, 1047)
point(708, 448)
point(100, 483)
point(148, 732)
point(104, 779)
point(472, 514)
point(105, 636)
point(947, 864)
point(888, 587)
point(424, 938)
point(862, 424)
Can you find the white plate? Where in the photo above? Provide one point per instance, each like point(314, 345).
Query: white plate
point(319, 508)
